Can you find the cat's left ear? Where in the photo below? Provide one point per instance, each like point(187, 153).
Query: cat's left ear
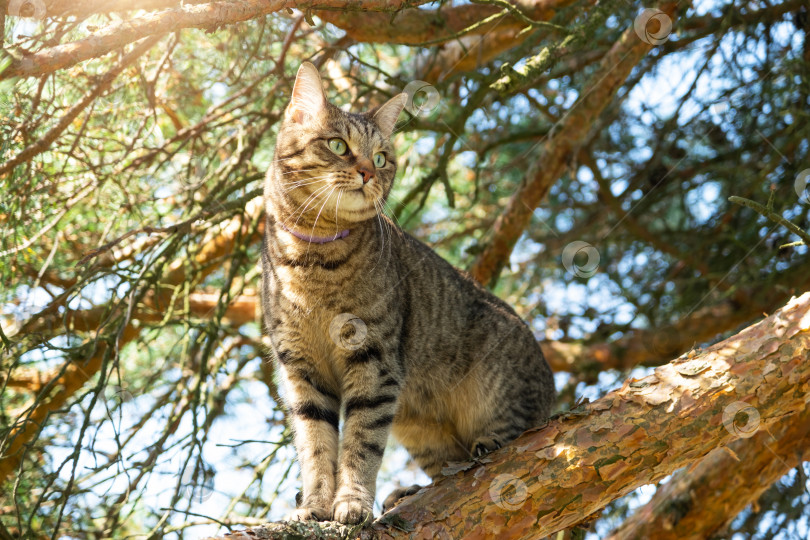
point(386, 116)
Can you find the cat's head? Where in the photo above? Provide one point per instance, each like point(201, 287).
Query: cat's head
point(333, 166)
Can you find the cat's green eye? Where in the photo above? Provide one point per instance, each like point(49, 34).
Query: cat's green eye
point(379, 160)
point(338, 146)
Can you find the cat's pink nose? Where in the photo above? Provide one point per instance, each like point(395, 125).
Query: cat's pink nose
point(366, 170)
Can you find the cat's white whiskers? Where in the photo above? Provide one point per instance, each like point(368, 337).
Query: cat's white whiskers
point(305, 178)
point(325, 200)
point(302, 183)
point(308, 201)
point(391, 213)
point(312, 197)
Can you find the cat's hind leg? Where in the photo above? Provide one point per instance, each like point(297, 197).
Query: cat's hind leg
point(486, 444)
point(399, 493)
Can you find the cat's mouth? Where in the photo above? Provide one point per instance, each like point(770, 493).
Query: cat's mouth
point(359, 203)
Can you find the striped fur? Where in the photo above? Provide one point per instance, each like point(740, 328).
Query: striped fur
point(430, 355)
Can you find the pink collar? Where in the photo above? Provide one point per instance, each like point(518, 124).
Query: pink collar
point(315, 239)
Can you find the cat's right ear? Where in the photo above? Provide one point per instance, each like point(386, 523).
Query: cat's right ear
point(308, 99)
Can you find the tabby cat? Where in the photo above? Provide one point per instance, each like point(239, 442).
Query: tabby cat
point(365, 320)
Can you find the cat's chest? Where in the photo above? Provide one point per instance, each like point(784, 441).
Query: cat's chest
point(302, 292)
point(325, 339)
point(313, 331)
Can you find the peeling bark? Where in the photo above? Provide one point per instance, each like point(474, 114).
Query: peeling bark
point(700, 502)
point(469, 52)
point(555, 476)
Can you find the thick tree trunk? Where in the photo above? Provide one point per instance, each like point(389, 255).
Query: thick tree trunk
point(555, 476)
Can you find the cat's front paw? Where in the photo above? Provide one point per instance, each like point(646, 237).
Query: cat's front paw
point(351, 511)
point(311, 513)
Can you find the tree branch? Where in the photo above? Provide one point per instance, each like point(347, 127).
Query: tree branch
point(643, 347)
point(415, 27)
point(48, 138)
point(559, 147)
point(773, 216)
point(76, 375)
point(654, 346)
point(210, 16)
